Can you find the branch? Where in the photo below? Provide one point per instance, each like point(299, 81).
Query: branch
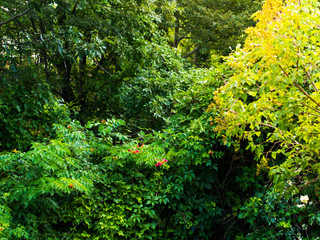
point(75, 8)
point(315, 87)
point(17, 16)
point(283, 71)
point(313, 181)
point(192, 52)
point(183, 37)
point(310, 107)
point(305, 93)
point(96, 62)
point(269, 125)
point(6, 12)
point(292, 139)
point(308, 75)
point(311, 114)
point(225, 235)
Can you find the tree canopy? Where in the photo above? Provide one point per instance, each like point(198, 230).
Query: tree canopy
point(159, 119)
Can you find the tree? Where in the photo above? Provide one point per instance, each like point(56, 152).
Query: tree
point(203, 26)
point(86, 50)
point(271, 103)
point(270, 106)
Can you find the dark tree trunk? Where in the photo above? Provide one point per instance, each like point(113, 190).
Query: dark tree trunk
point(176, 32)
point(192, 52)
point(64, 70)
point(81, 82)
point(66, 89)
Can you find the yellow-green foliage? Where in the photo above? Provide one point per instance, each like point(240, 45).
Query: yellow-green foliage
point(273, 101)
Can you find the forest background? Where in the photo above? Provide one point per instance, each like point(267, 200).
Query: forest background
point(159, 119)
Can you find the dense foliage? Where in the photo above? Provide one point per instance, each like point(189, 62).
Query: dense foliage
point(97, 183)
point(203, 26)
point(110, 131)
point(270, 106)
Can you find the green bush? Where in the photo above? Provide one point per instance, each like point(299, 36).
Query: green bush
point(95, 182)
point(268, 216)
point(27, 110)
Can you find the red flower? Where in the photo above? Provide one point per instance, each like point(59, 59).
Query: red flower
point(141, 145)
point(161, 162)
point(129, 150)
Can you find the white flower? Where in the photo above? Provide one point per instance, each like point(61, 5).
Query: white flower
point(300, 205)
point(54, 5)
point(304, 199)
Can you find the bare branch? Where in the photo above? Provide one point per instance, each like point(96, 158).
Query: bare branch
point(305, 69)
point(310, 107)
point(4, 10)
point(283, 71)
point(96, 62)
point(311, 114)
point(305, 93)
point(75, 7)
point(183, 37)
point(269, 125)
point(315, 87)
point(308, 183)
point(15, 17)
point(192, 52)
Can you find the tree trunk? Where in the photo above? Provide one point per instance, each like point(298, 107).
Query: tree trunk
point(81, 81)
point(66, 89)
point(176, 31)
point(192, 52)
